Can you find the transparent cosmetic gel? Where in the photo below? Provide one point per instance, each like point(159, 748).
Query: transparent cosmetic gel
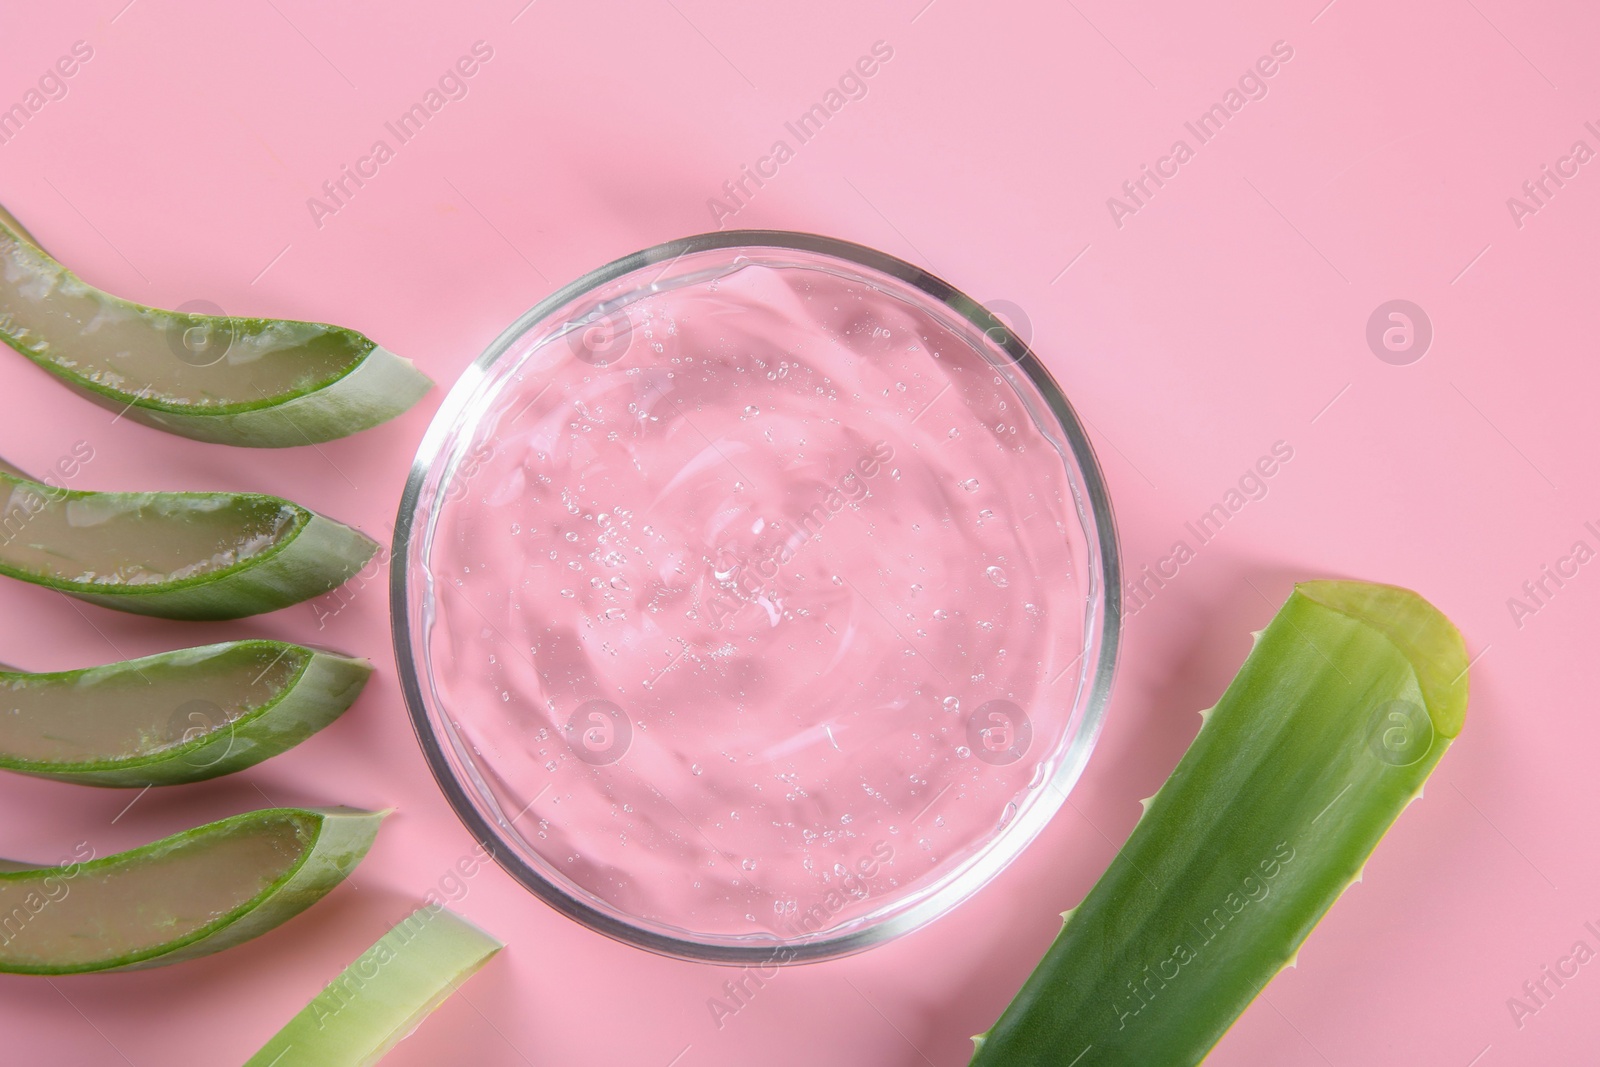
point(752, 601)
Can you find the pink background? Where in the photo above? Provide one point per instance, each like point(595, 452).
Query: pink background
point(1227, 314)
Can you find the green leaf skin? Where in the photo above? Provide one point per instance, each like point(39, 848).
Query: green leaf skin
point(262, 383)
point(8, 220)
point(177, 717)
point(176, 555)
point(180, 898)
point(383, 995)
point(1295, 776)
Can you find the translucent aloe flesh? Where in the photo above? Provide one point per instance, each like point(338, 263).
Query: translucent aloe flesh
point(177, 555)
point(241, 381)
point(1348, 700)
point(186, 896)
point(383, 995)
point(176, 717)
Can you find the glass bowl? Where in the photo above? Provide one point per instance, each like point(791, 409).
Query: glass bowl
point(756, 598)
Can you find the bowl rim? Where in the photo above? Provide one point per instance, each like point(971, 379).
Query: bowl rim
point(1105, 570)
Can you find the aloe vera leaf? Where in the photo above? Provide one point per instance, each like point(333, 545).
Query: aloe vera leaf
point(177, 555)
point(9, 221)
point(265, 383)
point(176, 717)
point(384, 995)
point(198, 892)
point(1348, 700)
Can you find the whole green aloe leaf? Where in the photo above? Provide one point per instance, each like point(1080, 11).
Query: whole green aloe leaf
point(265, 383)
point(1348, 700)
point(177, 555)
point(176, 717)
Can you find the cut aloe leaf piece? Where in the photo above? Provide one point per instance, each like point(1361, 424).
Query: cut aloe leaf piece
point(177, 555)
point(1348, 700)
point(384, 995)
point(186, 896)
point(264, 383)
point(176, 717)
point(9, 221)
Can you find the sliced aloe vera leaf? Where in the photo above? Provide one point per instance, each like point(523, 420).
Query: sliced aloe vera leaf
point(175, 717)
point(266, 383)
point(177, 555)
point(9, 221)
point(186, 896)
point(1348, 700)
point(384, 995)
